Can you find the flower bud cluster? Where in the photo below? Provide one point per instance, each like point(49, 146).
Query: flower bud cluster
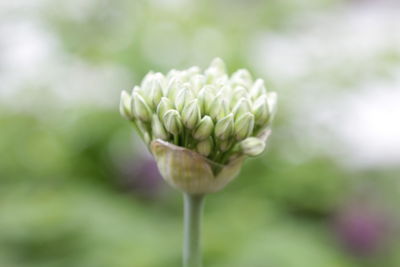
point(220, 116)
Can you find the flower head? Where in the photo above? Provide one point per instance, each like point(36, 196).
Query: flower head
point(210, 116)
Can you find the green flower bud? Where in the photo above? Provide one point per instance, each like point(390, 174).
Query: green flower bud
point(261, 110)
point(164, 105)
point(252, 146)
point(191, 114)
point(242, 106)
point(224, 127)
point(204, 128)
point(205, 147)
point(125, 106)
point(244, 126)
point(182, 98)
point(158, 128)
point(139, 108)
point(172, 122)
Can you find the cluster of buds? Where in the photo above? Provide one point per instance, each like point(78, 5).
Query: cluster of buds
point(215, 117)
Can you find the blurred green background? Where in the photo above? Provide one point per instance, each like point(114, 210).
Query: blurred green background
point(77, 188)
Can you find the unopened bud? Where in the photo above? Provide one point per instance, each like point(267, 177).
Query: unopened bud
point(261, 110)
point(204, 128)
point(125, 106)
point(164, 105)
point(224, 127)
point(198, 81)
point(146, 79)
point(172, 122)
point(242, 77)
point(252, 146)
point(205, 147)
point(219, 108)
point(139, 107)
point(155, 93)
point(225, 145)
point(206, 98)
point(182, 98)
point(171, 89)
point(238, 93)
point(241, 107)
point(257, 89)
point(191, 114)
point(218, 64)
point(244, 126)
point(158, 129)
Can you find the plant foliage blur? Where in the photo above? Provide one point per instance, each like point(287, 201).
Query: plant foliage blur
point(78, 189)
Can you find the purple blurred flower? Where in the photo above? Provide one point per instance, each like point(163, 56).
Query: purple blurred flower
point(142, 177)
point(363, 229)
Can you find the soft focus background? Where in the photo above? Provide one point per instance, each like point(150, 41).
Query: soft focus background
point(78, 189)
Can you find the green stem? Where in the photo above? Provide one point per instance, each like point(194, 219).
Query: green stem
point(193, 210)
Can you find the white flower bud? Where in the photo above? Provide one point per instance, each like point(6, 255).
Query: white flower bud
point(257, 89)
point(155, 93)
point(216, 70)
point(205, 147)
point(207, 98)
point(238, 93)
point(192, 71)
point(139, 107)
point(261, 110)
point(244, 126)
point(164, 105)
point(224, 127)
point(218, 64)
point(242, 77)
point(219, 107)
point(125, 106)
point(191, 114)
point(158, 128)
point(252, 146)
point(241, 107)
point(183, 97)
point(204, 128)
point(197, 82)
point(135, 89)
point(146, 79)
point(172, 122)
point(171, 89)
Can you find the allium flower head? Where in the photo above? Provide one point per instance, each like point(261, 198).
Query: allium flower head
point(200, 125)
